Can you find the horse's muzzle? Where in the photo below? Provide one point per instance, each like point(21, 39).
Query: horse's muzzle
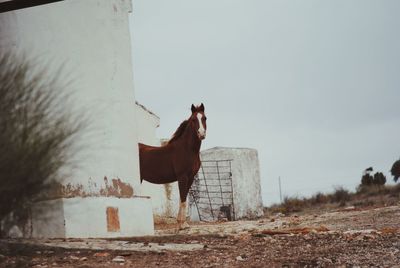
point(201, 137)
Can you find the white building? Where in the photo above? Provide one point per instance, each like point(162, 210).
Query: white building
point(91, 39)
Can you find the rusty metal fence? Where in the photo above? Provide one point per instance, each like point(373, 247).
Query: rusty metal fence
point(211, 194)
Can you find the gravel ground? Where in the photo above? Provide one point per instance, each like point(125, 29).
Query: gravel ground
point(369, 237)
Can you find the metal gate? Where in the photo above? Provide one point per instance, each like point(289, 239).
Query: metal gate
point(211, 194)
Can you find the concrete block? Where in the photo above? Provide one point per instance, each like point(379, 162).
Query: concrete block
point(93, 217)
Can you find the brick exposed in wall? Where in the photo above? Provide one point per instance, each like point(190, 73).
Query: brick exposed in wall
point(112, 219)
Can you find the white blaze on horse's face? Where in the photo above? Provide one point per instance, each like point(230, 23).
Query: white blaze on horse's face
point(202, 130)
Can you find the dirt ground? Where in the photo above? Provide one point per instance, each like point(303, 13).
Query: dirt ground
point(350, 237)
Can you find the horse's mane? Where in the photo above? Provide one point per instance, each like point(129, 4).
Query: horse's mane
point(178, 133)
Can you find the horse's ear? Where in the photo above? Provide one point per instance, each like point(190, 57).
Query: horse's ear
point(193, 108)
point(201, 107)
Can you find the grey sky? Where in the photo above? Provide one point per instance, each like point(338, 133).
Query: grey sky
point(314, 86)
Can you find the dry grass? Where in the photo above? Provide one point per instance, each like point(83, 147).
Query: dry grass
point(374, 195)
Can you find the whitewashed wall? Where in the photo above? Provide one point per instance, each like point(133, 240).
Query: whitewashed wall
point(90, 39)
point(66, 222)
point(147, 123)
point(164, 198)
point(245, 179)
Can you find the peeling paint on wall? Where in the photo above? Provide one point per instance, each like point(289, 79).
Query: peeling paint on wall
point(58, 190)
point(115, 188)
point(71, 190)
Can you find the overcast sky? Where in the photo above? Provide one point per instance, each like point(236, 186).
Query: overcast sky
point(314, 86)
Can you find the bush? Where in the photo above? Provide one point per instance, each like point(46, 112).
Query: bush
point(36, 134)
point(320, 198)
point(367, 180)
point(341, 195)
point(370, 190)
point(394, 191)
point(293, 204)
point(379, 179)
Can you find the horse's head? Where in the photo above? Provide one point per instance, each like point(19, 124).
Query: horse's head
point(198, 121)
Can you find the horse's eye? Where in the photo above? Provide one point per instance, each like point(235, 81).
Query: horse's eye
point(205, 118)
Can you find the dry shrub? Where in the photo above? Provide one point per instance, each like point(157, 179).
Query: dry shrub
point(293, 204)
point(365, 196)
point(36, 133)
point(341, 195)
point(365, 202)
point(373, 190)
point(394, 191)
point(319, 198)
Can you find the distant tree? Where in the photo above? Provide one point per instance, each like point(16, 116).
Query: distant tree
point(367, 179)
point(396, 170)
point(368, 170)
point(379, 179)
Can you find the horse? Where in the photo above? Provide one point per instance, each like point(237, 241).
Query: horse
point(178, 159)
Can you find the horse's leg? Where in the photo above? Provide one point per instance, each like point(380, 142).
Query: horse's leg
point(183, 191)
point(189, 184)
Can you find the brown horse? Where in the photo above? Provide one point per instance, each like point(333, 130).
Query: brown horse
point(178, 160)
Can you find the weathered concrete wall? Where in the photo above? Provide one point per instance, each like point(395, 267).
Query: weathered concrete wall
point(245, 179)
point(91, 40)
point(164, 198)
point(147, 123)
point(102, 217)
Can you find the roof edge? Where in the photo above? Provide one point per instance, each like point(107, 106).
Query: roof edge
point(228, 148)
point(147, 110)
point(13, 5)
